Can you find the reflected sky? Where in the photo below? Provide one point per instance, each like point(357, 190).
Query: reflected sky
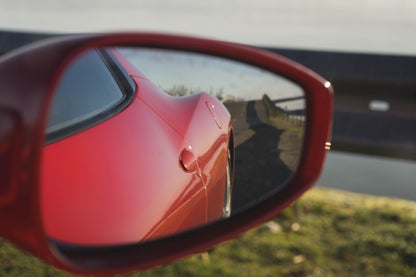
point(215, 75)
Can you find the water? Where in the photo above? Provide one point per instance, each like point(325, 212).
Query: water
point(376, 26)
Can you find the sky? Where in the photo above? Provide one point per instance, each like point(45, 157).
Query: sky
point(198, 72)
point(370, 26)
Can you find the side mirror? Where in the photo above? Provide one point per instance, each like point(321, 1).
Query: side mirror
point(124, 151)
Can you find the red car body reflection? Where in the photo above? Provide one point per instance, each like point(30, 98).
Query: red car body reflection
point(124, 180)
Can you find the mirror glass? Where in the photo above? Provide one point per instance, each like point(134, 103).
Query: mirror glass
point(143, 143)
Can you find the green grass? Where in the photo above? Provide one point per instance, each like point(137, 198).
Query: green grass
point(283, 121)
point(289, 125)
point(326, 233)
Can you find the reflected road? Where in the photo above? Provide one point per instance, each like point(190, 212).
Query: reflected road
point(265, 154)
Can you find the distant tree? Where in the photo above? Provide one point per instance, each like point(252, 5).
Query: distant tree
point(220, 94)
point(182, 90)
point(177, 90)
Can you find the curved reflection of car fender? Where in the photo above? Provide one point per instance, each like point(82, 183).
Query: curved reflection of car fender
point(165, 163)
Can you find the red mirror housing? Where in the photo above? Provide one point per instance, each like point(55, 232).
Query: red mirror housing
point(28, 78)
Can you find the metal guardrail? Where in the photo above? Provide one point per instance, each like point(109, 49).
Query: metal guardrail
point(375, 99)
point(11, 40)
point(360, 81)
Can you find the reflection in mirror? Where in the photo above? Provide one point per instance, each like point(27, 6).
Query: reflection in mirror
point(267, 111)
point(140, 144)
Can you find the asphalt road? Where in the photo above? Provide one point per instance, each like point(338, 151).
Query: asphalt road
point(265, 155)
point(370, 175)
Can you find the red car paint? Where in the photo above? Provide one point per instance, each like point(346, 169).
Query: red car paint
point(122, 181)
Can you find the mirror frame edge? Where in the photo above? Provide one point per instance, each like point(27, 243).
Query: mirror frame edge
point(64, 49)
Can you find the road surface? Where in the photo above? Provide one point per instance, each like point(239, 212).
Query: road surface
point(370, 175)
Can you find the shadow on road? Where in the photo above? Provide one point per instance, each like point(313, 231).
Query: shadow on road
point(258, 167)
